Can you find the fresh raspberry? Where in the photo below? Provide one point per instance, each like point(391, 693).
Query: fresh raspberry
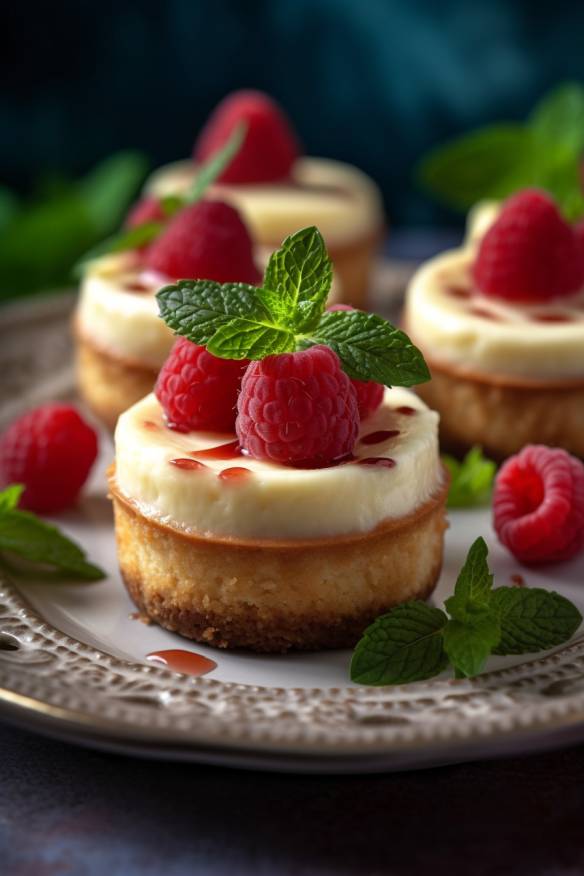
point(369, 393)
point(51, 451)
point(197, 390)
point(538, 505)
point(270, 147)
point(529, 253)
point(579, 232)
point(297, 408)
point(206, 241)
point(147, 209)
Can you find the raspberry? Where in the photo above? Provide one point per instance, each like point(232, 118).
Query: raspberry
point(206, 241)
point(297, 408)
point(579, 232)
point(530, 253)
point(538, 505)
point(269, 149)
point(50, 450)
point(148, 209)
point(197, 390)
point(369, 393)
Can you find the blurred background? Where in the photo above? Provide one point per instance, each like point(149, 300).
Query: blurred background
point(373, 82)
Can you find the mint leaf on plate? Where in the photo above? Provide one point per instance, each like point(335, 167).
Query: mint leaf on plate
point(370, 348)
point(298, 279)
point(472, 591)
point(468, 646)
point(533, 619)
point(26, 536)
point(471, 480)
point(401, 647)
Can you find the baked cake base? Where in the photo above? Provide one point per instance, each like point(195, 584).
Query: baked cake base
point(353, 265)
point(504, 413)
point(273, 596)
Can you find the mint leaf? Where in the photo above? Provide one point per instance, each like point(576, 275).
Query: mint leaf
point(533, 619)
point(298, 279)
point(471, 480)
point(558, 122)
point(468, 646)
point(215, 166)
point(402, 646)
point(491, 162)
point(370, 348)
point(246, 339)
point(107, 189)
point(10, 497)
point(472, 591)
point(23, 534)
point(130, 238)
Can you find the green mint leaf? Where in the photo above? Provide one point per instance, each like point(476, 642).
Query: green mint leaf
point(215, 166)
point(35, 541)
point(492, 162)
point(402, 646)
point(245, 339)
point(471, 480)
point(298, 279)
point(533, 619)
point(472, 592)
point(370, 348)
point(130, 238)
point(468, 646)
point(10, 497)
point(558, 123)
point(171, 204)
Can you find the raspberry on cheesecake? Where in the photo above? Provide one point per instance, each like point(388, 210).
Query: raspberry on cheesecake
point(501, 321)
point(278, 189)
point(304, 521)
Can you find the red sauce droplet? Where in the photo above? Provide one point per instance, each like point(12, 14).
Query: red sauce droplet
point(186, 662)
point(552, 317)
point(224, 451)
point(382, 461)
point(378, 437)
point(311, 463)
point(188, 464)
point(484, 313)
point(518, 580)
point(458, 291)
point(148, 424)
point(407, 411)
point(237, 473)
point(137, 286)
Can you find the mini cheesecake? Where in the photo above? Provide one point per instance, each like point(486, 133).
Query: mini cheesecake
point(240, 552)
point(504, 374)
point(341, 200)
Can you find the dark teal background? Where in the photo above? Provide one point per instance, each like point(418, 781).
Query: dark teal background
point(375, 82)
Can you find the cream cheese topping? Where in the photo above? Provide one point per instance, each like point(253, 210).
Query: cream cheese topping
point(342, 201)
point(274, 501)
point(454, 324)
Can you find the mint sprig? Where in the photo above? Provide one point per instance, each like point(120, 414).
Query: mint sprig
point(414, 641)
point(26, 536)
point(132, 238)
point(497, 160)
point(286, 313)
point(471, 480)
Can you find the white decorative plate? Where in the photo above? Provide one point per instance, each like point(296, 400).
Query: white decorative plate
point(73, 660)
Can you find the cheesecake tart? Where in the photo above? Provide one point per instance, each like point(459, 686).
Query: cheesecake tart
point(278, 190)
point(507, 365)
point(264, 497)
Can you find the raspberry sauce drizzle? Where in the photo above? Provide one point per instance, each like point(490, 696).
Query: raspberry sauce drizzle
point(137, 286)
point(552, 317)
point(406, 411)
point(186, 662)
point(378, 437)
point(188, 464)
point(231, 450)
point(236, 473)
point(381, 461)
point(458, 291)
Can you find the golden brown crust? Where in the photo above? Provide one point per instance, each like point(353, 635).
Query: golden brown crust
point(108, 384)
point(270, 596)
point(504, 413)
point(353, 264)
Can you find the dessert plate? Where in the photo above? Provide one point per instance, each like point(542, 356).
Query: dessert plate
point(73, 658)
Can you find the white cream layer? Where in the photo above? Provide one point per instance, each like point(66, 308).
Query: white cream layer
point(277, 501)
point(125, 323)
point(342, 201)
point(501, 338)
